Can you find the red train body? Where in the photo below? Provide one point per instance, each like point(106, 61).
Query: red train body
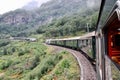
point(114, 41)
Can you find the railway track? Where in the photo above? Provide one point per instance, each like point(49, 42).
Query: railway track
point(87, 70)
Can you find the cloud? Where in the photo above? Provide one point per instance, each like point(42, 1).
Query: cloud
point(8, 5)
point(90, 3)
point(34, 4)
point(93, 3)
point(31, 5)
point(41, 1)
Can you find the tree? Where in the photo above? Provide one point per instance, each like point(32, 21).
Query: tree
point(4, 51)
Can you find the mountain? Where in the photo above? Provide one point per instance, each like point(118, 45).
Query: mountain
point(23, 21)
point(69, 26)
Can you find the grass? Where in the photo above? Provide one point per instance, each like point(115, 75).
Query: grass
point(66, 69)
point(46, 65)
point(115, 72)
point(35, 61)
point(21, 58)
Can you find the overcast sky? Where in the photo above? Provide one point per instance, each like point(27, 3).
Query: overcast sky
point(8, 5)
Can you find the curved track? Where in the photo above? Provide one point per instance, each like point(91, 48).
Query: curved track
point(87, 71)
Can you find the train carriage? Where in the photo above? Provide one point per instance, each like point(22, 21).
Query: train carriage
point(86, 41)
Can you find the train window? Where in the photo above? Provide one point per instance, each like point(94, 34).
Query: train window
point(117, 40)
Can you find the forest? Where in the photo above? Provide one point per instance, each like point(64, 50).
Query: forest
point(73, 25)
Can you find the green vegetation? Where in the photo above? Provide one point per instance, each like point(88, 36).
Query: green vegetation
point(115, 72)
point(4, 43)
point(73, 25)
point(66, 69)
point(22, 60)
point(47, 64)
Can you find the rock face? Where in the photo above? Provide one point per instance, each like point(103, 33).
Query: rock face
point(16, 18)
point(27, 19)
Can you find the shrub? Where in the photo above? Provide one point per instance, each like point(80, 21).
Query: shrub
point(44, 69)
point(46, 65)
point(32, 63)
point(13, 49)
point(5, 64)
point(4, 51)
point(4, 42)
point(65, 64)
point(21, 53)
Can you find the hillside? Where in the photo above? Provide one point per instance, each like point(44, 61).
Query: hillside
point(68, 26)
point(22, 60)
point(22, 22)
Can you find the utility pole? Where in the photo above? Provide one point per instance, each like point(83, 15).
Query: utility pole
point(87, 27)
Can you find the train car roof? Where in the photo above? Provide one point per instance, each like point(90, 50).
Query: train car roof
point(86, 36)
